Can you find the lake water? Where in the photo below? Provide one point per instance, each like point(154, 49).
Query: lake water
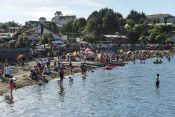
point(127, 91)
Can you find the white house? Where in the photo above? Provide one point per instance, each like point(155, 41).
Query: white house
point(160, 18)
point(60, 20)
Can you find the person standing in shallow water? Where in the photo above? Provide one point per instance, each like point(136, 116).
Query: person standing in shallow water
point(157, 81)
point(11, 86)
point(61, 73)
point(83, 69)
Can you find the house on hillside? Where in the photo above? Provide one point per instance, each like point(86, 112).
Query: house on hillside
point(6, 36)
point(160, 18)
point(32, 23)
point(60, 20)
point(42, 20)
point(35, 34)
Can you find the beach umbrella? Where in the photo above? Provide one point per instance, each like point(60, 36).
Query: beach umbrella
point(87, 52)
point(87, 49)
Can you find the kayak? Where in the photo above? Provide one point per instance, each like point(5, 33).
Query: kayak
point(108, 67)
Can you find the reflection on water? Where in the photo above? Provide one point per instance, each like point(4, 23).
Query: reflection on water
point(61, 93)
point(128, 91)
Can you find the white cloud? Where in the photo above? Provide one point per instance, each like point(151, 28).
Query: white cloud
point(90, 3)
point(23, 10)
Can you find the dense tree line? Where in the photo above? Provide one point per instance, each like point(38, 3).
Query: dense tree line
point(5, 26)
point(106, 21)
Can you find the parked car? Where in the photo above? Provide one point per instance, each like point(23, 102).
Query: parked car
point(38, 46)
point(58, 44)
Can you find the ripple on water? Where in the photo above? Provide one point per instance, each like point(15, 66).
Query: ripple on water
point(127, 91)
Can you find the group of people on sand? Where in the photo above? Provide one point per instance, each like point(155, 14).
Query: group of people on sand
point(41, 68)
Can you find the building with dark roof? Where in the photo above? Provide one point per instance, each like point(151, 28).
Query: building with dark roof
point(60, 20)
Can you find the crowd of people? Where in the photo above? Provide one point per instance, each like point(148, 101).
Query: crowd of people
point(44, 68)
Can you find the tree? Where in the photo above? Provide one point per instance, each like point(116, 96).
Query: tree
point(167, 29)
point(165, 20)
point(156, 29)
point(79, 25)
point(51, 26)
point(4, 27)
point(152, 38)
point(136, 16)
point(169, 41)
point(12, 24)
point(158, 20)
point(44, 39)
point(142, 27)
point(133, 36)
point(102, 22)
point(110, 23)
point(67, 28)
point(143, 39)
point(89, 37)
point(160, 39)
point(130, 22)
point(42, 28)
point(22, 41)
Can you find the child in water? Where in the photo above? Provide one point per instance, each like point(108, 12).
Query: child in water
point(11, 85)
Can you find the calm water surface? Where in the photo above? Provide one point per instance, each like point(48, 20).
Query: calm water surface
point(127, 91)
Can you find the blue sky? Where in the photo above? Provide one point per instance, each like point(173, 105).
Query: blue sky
point(25, 10)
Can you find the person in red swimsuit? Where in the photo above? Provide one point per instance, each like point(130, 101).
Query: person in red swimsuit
point(11, 85)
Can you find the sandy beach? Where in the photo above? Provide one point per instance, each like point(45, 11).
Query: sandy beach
point(21, 73)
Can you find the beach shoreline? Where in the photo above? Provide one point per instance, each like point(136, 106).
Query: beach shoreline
point(23, 80)
point(22, 75)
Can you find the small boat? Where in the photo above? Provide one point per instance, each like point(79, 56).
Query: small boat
point(94, 63)
point(74, 64)
point(108, 67)
point(157, 61)
point(115, 63)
